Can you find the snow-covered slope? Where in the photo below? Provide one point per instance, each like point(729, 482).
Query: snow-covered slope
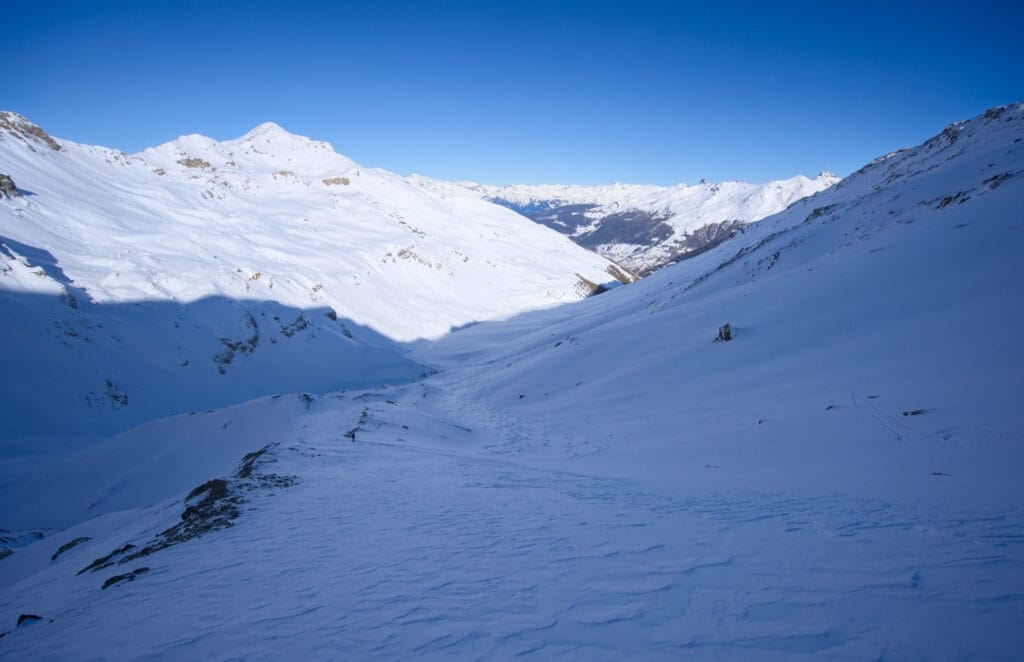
point(199, 273)
point(602, 480)
point(276, 216)
point(646, 227)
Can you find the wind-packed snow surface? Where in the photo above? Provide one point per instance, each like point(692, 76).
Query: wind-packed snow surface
point(602, 480)
point(645, 227)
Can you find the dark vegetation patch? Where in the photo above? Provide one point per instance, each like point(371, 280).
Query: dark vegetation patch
point(69, 545)
point(635, 226)
point(555, 214)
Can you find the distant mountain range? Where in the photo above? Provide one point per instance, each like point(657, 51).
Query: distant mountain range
point(640, 227)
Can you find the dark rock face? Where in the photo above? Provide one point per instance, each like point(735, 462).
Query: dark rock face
point(7, 187)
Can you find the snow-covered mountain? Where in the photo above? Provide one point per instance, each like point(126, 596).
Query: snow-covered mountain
point(603, 480)
point(641, 227)
point(199, 274)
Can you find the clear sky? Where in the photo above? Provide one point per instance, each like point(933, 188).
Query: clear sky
point(546, 91)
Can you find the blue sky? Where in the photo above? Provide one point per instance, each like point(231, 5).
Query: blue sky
point(522, 92)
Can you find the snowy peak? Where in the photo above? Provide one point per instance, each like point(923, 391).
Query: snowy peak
point(266, 130)
point(273, 139)
point(266, 149)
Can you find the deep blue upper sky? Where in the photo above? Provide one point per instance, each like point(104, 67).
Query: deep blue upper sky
point(522, 92)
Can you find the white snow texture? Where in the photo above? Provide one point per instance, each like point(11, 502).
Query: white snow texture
point(279, 417)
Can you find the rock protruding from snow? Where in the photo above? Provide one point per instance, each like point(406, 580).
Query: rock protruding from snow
point(16, 126)
point(8, 189)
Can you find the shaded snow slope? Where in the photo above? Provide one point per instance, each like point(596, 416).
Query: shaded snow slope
point(646, 227)
point(602, 480)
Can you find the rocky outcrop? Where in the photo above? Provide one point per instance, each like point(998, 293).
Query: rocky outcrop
point(15, 125)
point(7, 187)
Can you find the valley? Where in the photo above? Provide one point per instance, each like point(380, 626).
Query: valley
point(474, 458)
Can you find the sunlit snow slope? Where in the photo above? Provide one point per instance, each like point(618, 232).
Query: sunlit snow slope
point(199, 273)
point(602, 480)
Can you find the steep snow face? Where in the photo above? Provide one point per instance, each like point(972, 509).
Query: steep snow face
point(646, 227)
point(199, 274)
